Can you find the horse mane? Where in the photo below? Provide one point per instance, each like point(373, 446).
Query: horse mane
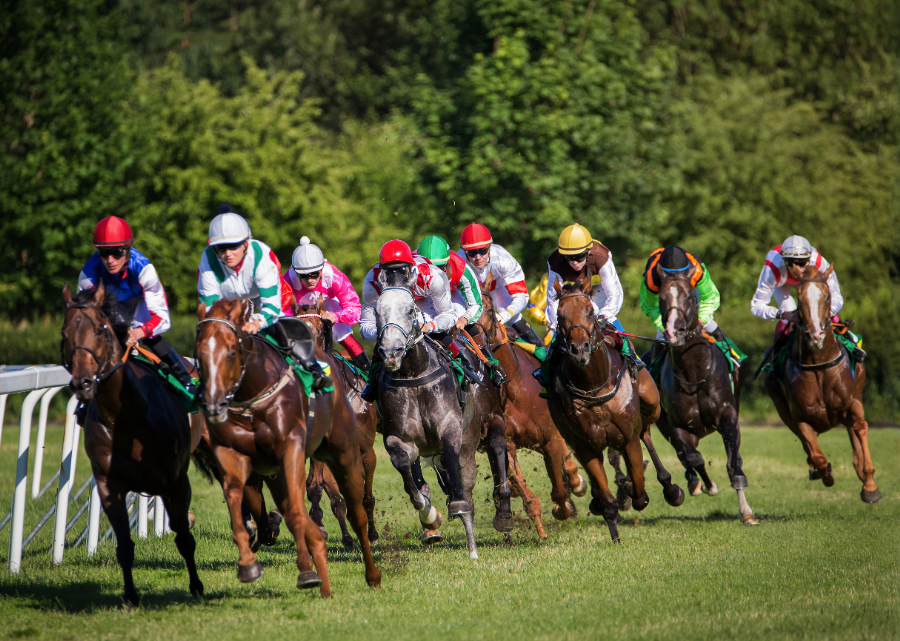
point(109, 306)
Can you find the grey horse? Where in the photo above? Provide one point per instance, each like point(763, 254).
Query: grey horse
point(421, 414)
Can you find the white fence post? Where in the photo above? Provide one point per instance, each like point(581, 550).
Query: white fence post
point(66, 479)
point(142, 516)
point(39, 446)
point(2, 412)
point(159, 512)
point(19, 497)
point(93, 520)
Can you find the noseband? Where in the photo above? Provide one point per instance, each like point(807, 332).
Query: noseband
point(592, 333)
point(413, 336)
point(244, 351)
point(801, 325)
point(100, 376)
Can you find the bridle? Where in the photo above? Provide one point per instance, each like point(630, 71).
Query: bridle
point(413, 336)
point(100, 376)
point(596, 328)
point(827, 320)
point(690, 331)
point(825, 326)
point(244, 352)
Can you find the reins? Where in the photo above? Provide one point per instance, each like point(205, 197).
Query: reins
point(244, 352)
point(836, 360)
point(100, 376)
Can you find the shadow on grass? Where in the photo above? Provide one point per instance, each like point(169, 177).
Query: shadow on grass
point(627, 518)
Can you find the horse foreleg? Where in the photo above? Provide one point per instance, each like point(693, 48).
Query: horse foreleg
point(402, 457)
point(634, 461)
point(862, 459)
point(561, 468)
point(603, 503)
point(338, 506)
point(673, 494)
point(648, 394)
point(369, 461)
point(496, 450)
point(315, 485)
point(693, 460)
point(235, 471)
point(112, 498)
point(468, 474)
point(177, 505)
point(520, 488)
point(578, 487)
point(815, 455)
point(626, 487)
point(731, 435)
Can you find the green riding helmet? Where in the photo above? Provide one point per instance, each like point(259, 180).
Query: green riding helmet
point(435, 249)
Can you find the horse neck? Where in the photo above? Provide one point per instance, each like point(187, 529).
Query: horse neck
point(809, 356)
point(415, 362)
point(691, 358)
point(108, 397)
point(256, 378)
point(595, 373)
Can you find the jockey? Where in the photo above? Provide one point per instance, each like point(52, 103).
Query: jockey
point(431, 292)
point(673, 259)
point(465, 295)
point(577, 254)
point(234, 265)
point(312, 278)
point(142, 299)
point(485, 257)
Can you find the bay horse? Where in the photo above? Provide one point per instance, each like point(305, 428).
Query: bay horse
point(594, 403)
point(528, 422)
point(137, 434)
point(421, 414)
point(257, 414)
point(320, 477)
point(698, 397)
point(817, 389)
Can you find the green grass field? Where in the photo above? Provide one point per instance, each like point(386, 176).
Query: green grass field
point(822, 565)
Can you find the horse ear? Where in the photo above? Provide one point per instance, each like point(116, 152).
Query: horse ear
point(586, 281)
point(67, 295)
point(319, 300)
point(99, 294)
point(828, 272)
point(486, 285)
point(557, 287)
point(201, 311)
point(382, 278)
point(244, 308)
point(659, 271)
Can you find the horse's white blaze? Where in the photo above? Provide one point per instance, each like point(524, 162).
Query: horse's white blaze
point(213, 367)
point(812, 296)
point(393, 308)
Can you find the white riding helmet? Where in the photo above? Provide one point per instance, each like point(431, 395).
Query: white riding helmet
point(307, 258)
point(796, 247)
point(228, 228)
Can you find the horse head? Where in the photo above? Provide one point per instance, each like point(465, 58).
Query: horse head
point(577, 324)
point(396, 317)
point(814, 304)
point(488, 319)
point(679, 306)
point(311, 314)
point(89, 343)
point(220, 353)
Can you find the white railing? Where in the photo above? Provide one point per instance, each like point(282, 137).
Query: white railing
point(43, 383)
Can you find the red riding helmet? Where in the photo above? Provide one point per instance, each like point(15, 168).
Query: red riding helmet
point(475, 236)
point(395, 251)
point(112, 231)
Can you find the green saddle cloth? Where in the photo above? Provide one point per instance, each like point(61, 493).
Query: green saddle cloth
point(189, 401)
point(848, 340)
point(732, 353)
point(303, 375)
point(538, 351)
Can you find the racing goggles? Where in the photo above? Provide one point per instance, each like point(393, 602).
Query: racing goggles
point(799, 261)
point(114, 252)
point(481, 251)
point(227, 247)
point(310, 275)
point(577, 258)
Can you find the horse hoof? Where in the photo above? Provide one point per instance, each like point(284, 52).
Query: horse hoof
point(197, 589)
point(739, 482)
point(581, 490)
point(641, 502)
point(132, 598)
point(458, 508)
point(307, 580)
point(373, 536)
point(749, 519)
point(871, 497)
point(347, 542)
point(814, 475)
point(596, 507)
point(250, 573)
point(695, 487)
point(324, 532)
point(712, 490)
point(430, 537)
point(623, 500)
point(674, 495)
point(473, 555)
point(503, 522)
point(191, 520)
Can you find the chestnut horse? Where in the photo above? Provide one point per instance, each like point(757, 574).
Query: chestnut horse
point(137, 434)
point(697, 394)
point(595, 405)
point(528, 422)
point(257, 414)
point(817, 390)
point(320, 477)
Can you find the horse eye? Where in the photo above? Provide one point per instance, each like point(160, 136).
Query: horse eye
point(231, 355)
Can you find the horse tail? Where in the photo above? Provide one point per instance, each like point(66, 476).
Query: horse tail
point(203, 465)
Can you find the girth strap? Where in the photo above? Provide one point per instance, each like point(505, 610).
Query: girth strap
point(421, 380)
point(821, 366)
point(588, 396)
point(245, 408)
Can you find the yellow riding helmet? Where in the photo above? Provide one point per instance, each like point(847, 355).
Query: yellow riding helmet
point(574, 239)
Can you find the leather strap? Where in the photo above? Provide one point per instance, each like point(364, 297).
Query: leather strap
point(821, 366)
point(421, 380)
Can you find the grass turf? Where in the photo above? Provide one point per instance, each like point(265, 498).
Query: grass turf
point(821, 565)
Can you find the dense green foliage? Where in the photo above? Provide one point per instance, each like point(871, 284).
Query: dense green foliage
point(691, 572)
point(721, 126)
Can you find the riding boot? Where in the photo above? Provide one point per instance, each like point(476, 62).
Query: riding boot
point(308, 361)
point(362, 361)
point(527, 333)
point(719, 335)
point(178, 370)
point(467, 369)
point(370, 391)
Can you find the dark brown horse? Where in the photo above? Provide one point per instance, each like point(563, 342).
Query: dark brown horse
point(817, 389)
point(257, 413)
point(320, 478)
point(595, 405)
point(528, 422)
point(136, 434)
point(698, 396)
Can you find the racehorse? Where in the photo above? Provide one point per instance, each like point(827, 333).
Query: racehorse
point(698, 397)
point(421, 414)
point(594, 403)
point(528, 422)
point(817, 389)
point(257, 411)
point(137, 434)
point(320, 478)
